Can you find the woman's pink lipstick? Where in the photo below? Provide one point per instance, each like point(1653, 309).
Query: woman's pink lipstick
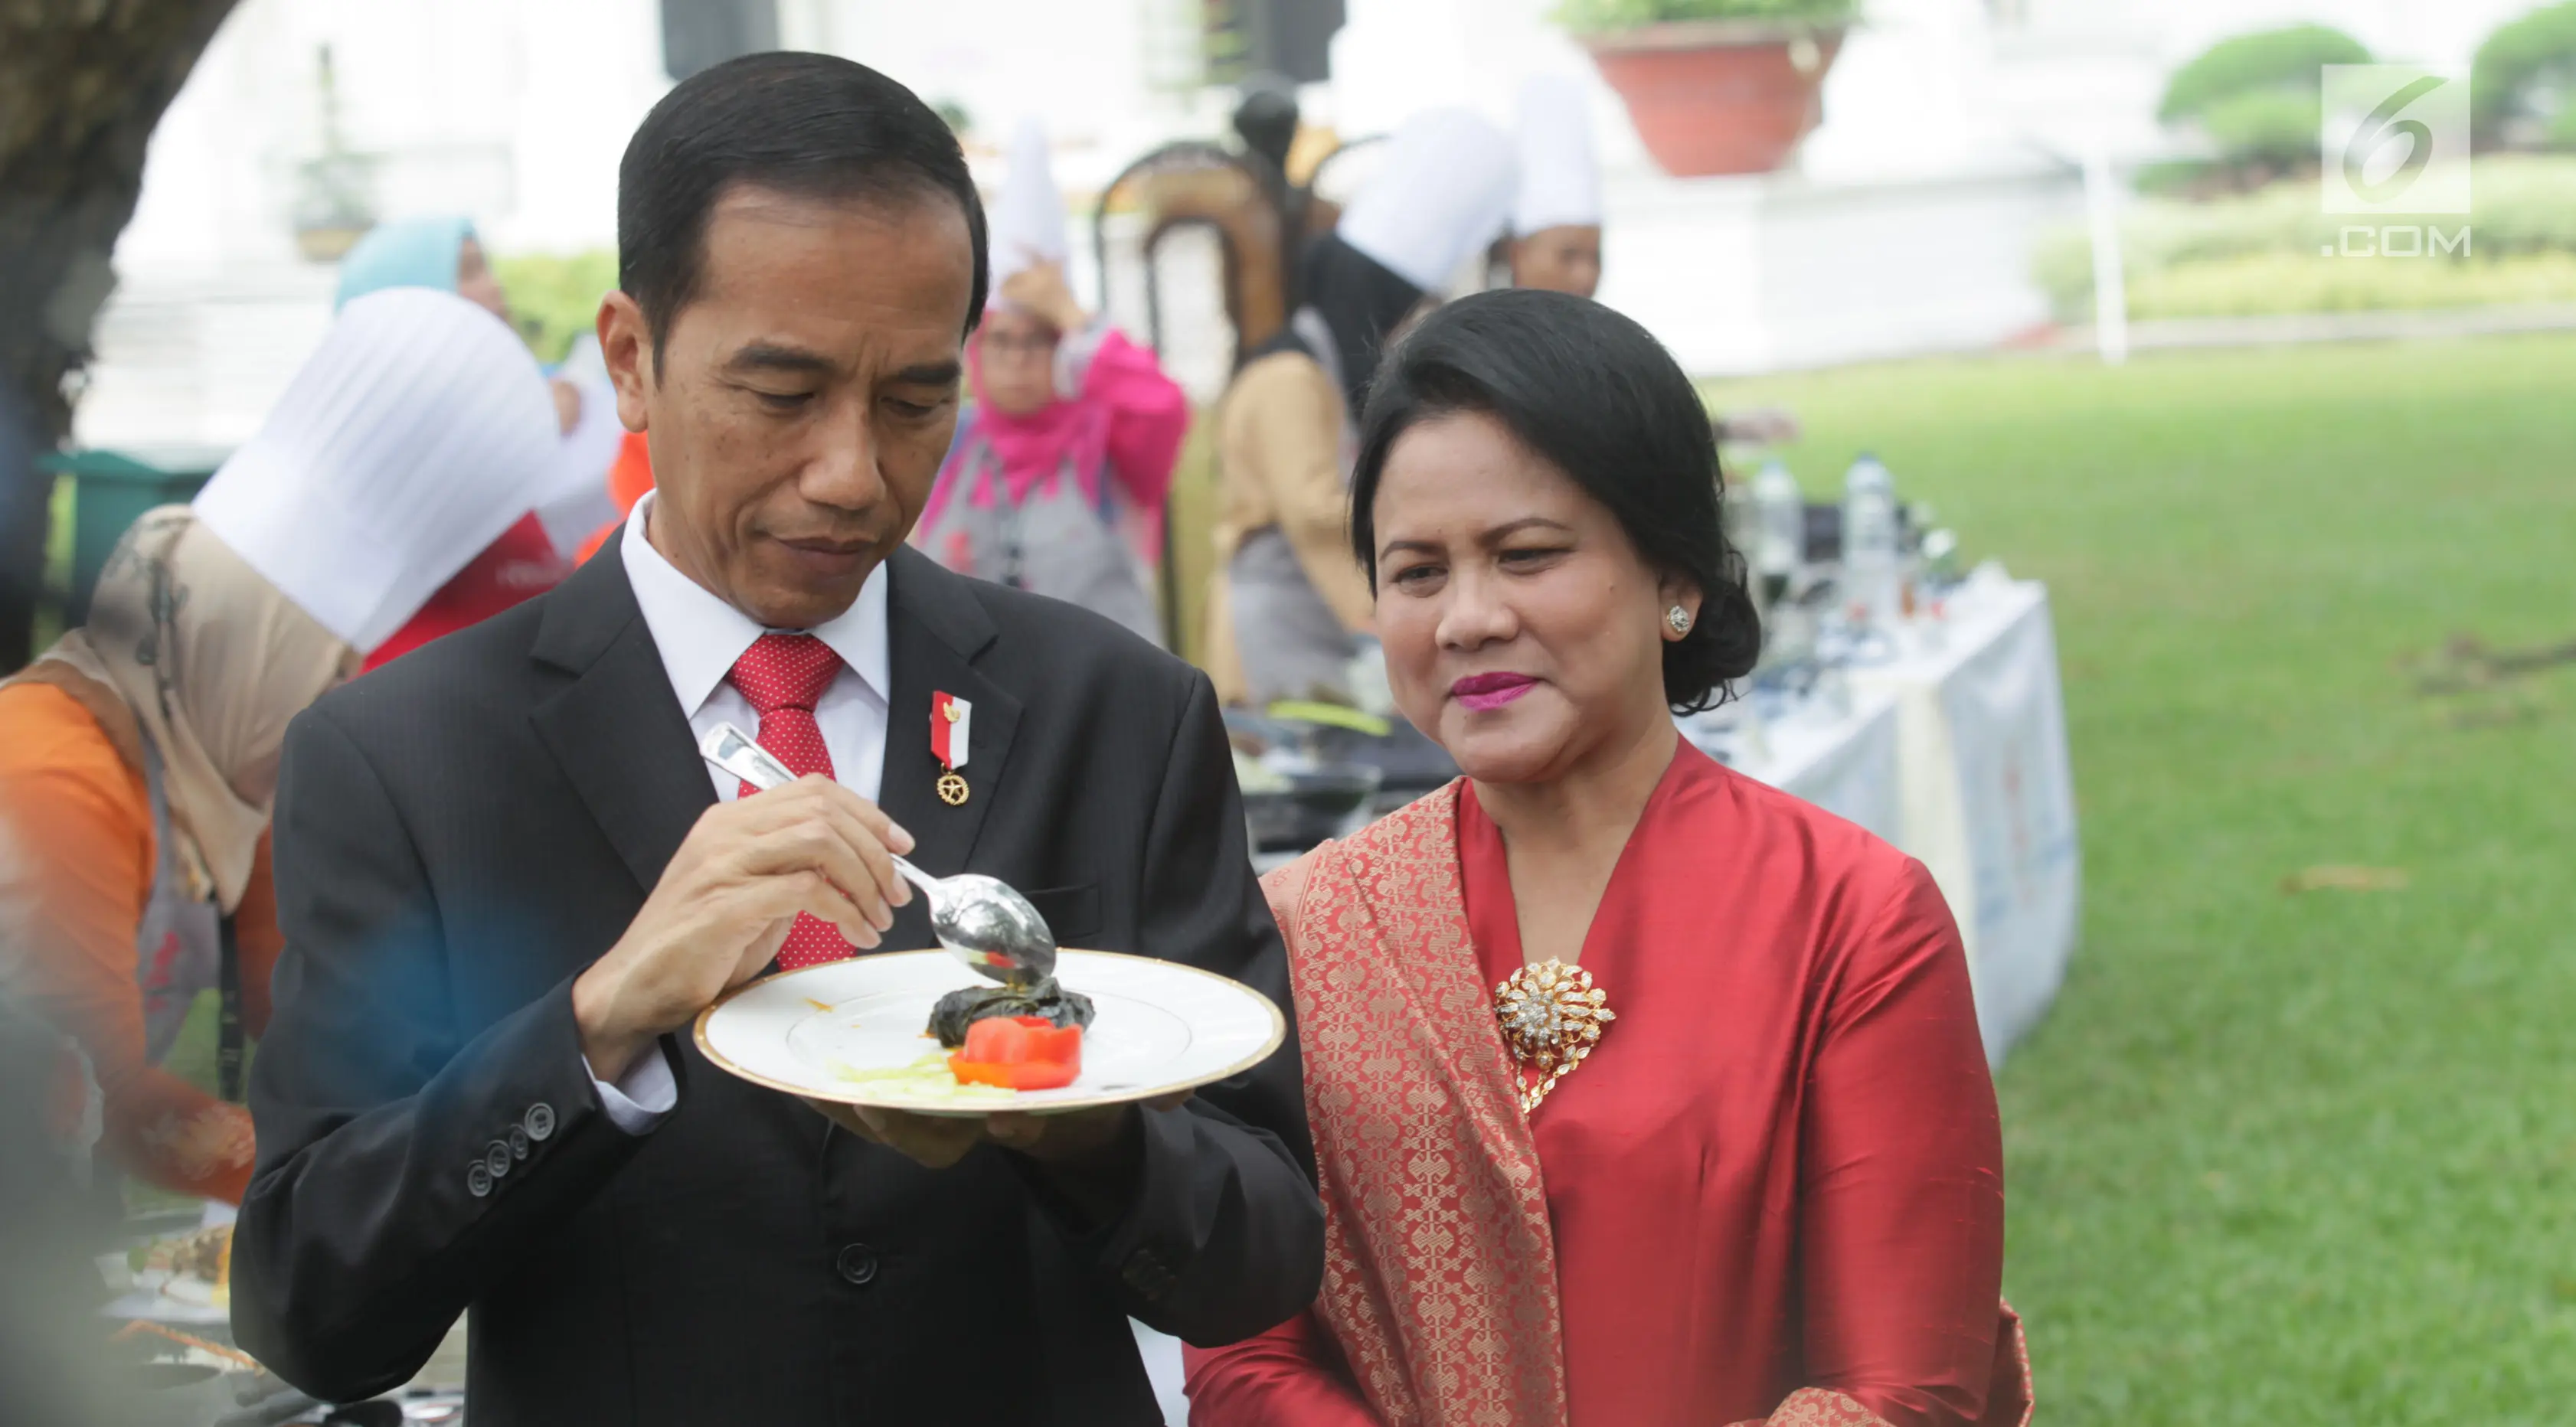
point(1483, 692)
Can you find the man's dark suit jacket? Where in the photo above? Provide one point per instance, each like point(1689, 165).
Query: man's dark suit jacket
point(460, 833)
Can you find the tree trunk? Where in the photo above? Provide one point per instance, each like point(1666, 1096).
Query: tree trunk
point(82, 83)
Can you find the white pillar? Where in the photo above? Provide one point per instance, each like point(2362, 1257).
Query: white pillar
point(2110, 288)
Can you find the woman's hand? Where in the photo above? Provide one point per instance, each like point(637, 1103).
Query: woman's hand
point(567, 405)
point(1040, 289)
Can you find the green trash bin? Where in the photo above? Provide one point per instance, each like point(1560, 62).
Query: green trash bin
point(110, 489)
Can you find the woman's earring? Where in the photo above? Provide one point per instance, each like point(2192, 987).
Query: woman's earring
point(1679, 618)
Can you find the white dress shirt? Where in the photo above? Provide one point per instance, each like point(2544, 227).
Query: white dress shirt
point(700, 636)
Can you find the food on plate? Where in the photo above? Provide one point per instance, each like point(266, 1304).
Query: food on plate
point(190, 1268)
point(962, 1008)
point(928, 1078)
point(996, 1041)
point(1019, 1053)
point(203, 1253)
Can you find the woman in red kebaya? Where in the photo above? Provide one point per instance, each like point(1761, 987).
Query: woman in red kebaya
point(1642, 1093)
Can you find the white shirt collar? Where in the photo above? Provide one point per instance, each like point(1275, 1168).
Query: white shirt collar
point(700, 636)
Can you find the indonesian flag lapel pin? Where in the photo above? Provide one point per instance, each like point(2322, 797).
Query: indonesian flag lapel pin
point(951, 720)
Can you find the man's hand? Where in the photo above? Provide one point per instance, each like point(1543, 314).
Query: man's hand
point(726, 902)
point(932, 1141)
point(1088, 1153)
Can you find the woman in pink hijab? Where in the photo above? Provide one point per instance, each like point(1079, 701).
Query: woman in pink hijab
point(1056, 481)
point(1057, 477)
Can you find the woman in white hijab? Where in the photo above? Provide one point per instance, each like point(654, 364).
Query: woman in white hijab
point(138, 755)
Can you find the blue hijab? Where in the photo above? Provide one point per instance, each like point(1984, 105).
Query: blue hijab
point(416, 252)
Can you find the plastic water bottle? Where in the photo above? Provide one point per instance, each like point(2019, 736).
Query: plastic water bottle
point(1869, 543)
point(1741, 519)
point(1782, 515)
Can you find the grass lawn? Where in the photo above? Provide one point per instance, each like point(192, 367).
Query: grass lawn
point(2284, 1158)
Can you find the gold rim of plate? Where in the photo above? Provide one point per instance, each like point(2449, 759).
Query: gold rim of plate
point(856, 1094)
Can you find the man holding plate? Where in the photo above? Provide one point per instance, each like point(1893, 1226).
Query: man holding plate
point(509, 885)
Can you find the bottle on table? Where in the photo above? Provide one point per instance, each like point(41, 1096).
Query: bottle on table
point(1914, 519)
point(1741, 519)
point(1869, 574)
point(1781, 512)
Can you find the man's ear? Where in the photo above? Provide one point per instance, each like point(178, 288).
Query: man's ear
point(626, 345)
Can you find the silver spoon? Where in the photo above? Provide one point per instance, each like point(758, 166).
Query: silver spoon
point(983, 921)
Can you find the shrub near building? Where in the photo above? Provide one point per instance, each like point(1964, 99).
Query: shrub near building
point(2262, 253)
point(2521, 83)
point(2252, 101)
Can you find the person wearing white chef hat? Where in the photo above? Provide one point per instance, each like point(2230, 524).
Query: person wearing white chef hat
point(1555, 239)
point(1055, 481)
point(139, 755)
point(442, 252)
point(1290, 613)
point(1556, 217)
point(406, 444)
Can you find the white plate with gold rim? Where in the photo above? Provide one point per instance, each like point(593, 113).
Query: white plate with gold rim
point(848, 1030)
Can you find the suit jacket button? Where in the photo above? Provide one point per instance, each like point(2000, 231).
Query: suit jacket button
point(518, 1139)
point(496, 1158)
point(478, 1180)
point(857, 1264)
point(539, 1122)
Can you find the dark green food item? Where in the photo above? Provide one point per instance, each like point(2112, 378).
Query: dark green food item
point(965, 1006)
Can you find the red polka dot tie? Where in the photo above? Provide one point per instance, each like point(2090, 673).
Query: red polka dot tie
point(782, 675)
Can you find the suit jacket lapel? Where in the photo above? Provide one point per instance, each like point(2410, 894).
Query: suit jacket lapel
point(935, 630)
point(617, 730)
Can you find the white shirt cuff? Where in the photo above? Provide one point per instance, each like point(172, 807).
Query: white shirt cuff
point(642, 1096)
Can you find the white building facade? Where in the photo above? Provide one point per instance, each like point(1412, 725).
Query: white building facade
point(1950, 131)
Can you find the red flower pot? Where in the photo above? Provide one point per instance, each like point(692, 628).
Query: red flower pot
point(1719, 96)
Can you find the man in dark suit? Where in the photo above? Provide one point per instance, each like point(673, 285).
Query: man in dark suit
point(508, 884)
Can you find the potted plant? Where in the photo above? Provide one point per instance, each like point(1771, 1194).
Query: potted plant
point(1715, 86)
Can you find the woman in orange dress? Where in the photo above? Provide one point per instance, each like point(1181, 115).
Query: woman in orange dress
point(1642, 1093)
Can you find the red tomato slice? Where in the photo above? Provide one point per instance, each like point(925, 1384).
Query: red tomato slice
point(996, 1040)
point(1024, 1075)
point(1020, 1053)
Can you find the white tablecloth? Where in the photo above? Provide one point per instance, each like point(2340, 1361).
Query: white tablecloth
point(1839, 753)
point(1162, 1355)
point(1988, 800)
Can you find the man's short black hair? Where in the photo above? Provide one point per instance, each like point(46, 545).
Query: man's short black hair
point(809, 125)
